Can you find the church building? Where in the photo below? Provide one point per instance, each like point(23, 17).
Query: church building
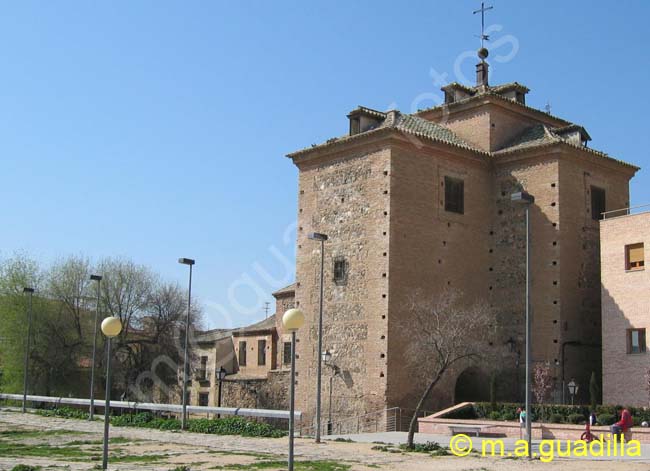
point(423, 202)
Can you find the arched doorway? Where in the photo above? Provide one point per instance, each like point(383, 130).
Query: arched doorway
point(472, 385)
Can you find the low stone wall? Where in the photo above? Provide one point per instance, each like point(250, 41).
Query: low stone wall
point(513, 430)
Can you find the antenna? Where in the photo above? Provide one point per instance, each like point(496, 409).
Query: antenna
point(548, 107)
point(266, 309)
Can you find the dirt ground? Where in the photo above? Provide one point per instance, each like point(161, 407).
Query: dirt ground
point(68, 444)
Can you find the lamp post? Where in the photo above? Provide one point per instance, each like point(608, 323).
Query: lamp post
point(91, 415)
point(573, 389)
point(221, 375)
point(321, 238)
point(190, 262)
point(327, 358)
point(292, 320)
point(30, 292)
point(526, 199)
point(111, 327)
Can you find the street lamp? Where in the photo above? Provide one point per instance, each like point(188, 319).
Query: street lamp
point(321, 238)
point(573, 389)
point(98, 279)
point(527, 199)
point(111, 327)
point(327, 358)
point(30, 292)
point(190, 262)
point(221, 375)
point(292, 320)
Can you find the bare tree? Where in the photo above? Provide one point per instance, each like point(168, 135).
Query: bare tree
point(542, 383)
point(67, 281)
point(446, 331)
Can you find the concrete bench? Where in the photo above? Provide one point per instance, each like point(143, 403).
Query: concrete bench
point(476, 429)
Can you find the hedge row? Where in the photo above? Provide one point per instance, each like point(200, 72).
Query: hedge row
point(222, 426)
point(553, 413)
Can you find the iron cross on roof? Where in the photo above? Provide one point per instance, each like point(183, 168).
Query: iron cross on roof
point(483, 36)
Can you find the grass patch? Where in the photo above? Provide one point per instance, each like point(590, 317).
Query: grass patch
point(23, 434)
point(25, 467)
point(433, 448)
point(19, 449)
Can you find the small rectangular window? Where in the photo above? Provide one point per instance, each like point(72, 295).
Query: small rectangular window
point(203, 370)
point(286, 353)
point(634, 257)
point(340, 270)
point(261, 352)
point(598, 204)
point(636, 341)
point(203, 399)
point(454, 195)
point(242, 353)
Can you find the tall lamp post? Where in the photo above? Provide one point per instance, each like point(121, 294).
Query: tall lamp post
point(91, 416)
point(221, 375)
point(292, 320)
point(190, 262)
point(30, 292)
point(319, 370)
point(527, 199)
point(111, 327)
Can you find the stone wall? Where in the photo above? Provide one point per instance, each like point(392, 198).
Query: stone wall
point(347, 199)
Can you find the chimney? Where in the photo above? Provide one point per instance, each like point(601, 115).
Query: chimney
point(482, 68)
point(482, 74)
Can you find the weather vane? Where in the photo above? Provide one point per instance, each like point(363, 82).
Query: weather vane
point(483, 36)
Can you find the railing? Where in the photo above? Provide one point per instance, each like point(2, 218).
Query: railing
point(626, 211)
point(265, 413)
point(394, 419)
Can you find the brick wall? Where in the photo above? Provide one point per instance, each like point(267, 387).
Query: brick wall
point(624, 306)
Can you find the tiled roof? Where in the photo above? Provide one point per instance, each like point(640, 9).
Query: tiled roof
point(405, 123)
point(541, 135)
point(490, 93)
point(213, 335)
point(370, 111)
point(489, 89)
point(286, 290)
point(266, 324)
point(421, 127)
point(414, 125)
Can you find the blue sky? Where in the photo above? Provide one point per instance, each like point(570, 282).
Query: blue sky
point(156, 130)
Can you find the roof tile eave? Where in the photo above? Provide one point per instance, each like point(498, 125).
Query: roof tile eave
point(560, 142)
point(491, 94)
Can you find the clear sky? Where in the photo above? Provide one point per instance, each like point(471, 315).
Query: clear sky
point(156, 130)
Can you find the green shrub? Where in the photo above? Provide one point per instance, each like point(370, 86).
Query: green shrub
point(494, 415)
point(223, 426)
point(64, 412)
point(234, 426)
point(181, 468)
point(606, 419)
point(428, 447)
point(556, 418)
point(576, 419)
point(24, 467)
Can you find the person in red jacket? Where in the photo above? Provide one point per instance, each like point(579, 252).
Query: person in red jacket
point(624, 424)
